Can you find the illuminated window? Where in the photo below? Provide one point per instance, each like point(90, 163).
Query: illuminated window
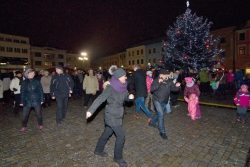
point(242, 51)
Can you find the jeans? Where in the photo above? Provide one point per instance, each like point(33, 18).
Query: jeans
point(26, 114)
point(161, 108)
point(119, 142)
point(140, 104)
point(62, 104)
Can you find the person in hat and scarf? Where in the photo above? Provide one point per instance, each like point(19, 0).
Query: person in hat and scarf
point(115, 93)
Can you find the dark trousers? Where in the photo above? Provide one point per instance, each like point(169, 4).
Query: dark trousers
point(62, 104)
point(119, 143)
point(16, 108)
point(47, 99)
point(26, 114)
point(88, 98)
point(174, 98)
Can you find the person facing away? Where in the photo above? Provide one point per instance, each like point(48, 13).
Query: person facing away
point(31, 97)
point(242, 102)
point(140, 92)
point(46, 82)
point(160, 89)
point(191, 96)
point(115, 93)
point(61, 88)
point(91, 86)
point(15, 86)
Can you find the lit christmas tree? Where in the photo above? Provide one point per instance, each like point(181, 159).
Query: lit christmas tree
point(189, 44)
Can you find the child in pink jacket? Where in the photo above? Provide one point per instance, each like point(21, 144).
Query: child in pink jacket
point(242, 101)
point(191, 96)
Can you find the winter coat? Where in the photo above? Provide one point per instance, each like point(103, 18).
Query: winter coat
point(61, 85)
point(161, 91)
point(31, 92)
point(242, 99)
point(90, 84)
point(46, 81)
point(149, 82)
point(15, 85)
point(192, 90)
point(1, 89)
point(114, 109)
point(140, 83)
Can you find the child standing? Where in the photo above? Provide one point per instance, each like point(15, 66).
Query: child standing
point(191, 96)
point(242, 101)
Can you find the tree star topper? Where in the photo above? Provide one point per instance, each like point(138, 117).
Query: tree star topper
point(188, 4)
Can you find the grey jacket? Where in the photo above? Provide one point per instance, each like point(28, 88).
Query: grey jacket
point(114, 109)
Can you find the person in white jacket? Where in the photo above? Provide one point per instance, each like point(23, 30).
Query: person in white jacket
point(15, 86)
point(91, 86)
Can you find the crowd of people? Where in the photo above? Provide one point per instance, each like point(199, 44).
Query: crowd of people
point(154, 92)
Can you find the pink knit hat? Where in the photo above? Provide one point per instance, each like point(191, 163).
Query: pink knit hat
point(189, 80)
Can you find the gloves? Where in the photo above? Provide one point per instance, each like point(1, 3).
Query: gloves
point(88, 114)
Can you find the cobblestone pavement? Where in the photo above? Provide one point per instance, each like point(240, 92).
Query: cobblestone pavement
point(215, 140)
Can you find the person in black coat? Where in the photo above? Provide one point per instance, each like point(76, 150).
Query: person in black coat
point(161, 88)
point(115, 93)
point(61, 88)
point(31, 97)
point(141, 92)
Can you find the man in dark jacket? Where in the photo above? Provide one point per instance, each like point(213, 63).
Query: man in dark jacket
point(31, 97)
point(141, 91)
point(61, 88)
point(160, 89)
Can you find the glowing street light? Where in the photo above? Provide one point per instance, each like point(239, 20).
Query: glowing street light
point(84, 54)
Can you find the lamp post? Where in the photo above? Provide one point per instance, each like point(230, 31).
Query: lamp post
point(83, 57)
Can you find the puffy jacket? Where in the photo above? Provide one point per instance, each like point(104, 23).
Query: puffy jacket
point(161, 91)
point(242, 99)
point(31, 92)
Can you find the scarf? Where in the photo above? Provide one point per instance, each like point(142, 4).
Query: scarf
point(117, 85)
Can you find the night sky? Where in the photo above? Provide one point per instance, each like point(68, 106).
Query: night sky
point(101, 27)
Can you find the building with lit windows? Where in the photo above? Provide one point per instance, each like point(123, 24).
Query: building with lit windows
point(136, 56)
point(14, 52)
point(242, 47)
point(46, 57)
point(73, 62)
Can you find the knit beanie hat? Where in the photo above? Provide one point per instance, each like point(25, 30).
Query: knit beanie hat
point(119, 73)
point(116, 72)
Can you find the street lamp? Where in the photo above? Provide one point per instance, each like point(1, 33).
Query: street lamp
point(83, 57)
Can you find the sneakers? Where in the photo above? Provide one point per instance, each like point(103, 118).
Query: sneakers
point(23, 129)
point(163, 136)
point(102, 154)
point(121, 162)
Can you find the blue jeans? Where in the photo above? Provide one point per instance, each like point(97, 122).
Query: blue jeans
point(140, 105)
point(161, 108)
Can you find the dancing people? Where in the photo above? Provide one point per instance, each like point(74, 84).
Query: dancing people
point(115, 93)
